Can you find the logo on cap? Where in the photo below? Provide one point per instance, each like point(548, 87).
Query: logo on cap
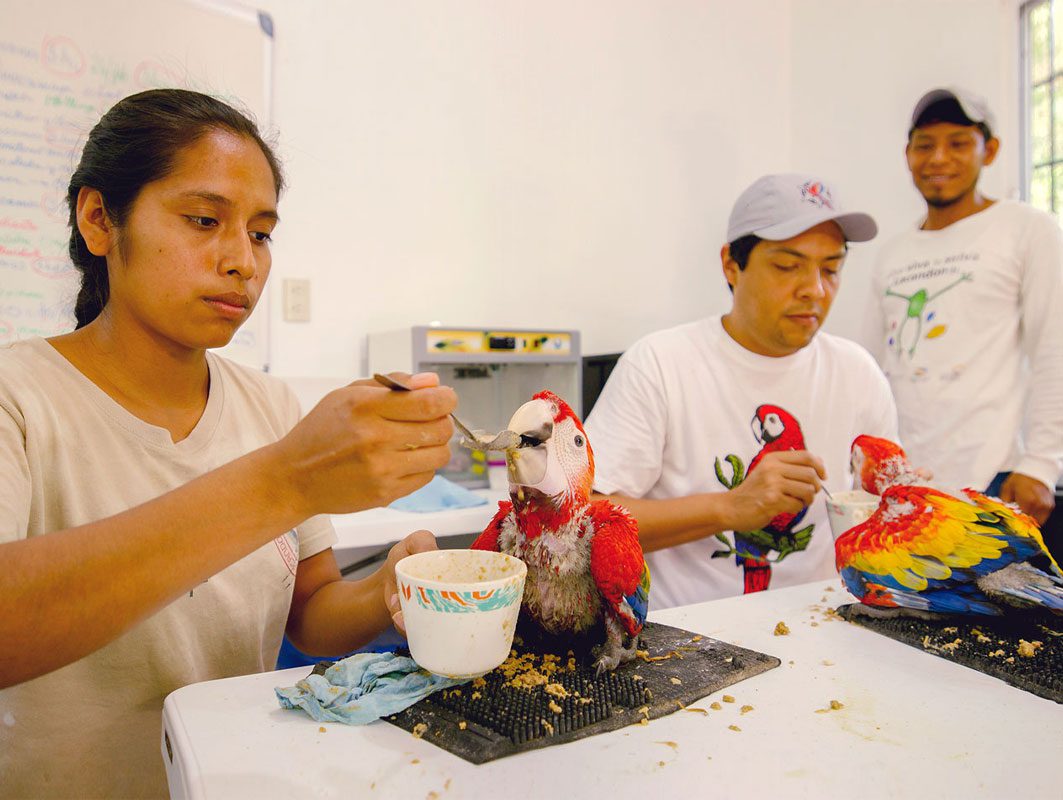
point(817, 194)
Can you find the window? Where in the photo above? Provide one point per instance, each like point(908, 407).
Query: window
point(1042, 69)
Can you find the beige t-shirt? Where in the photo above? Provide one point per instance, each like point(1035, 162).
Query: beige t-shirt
point(70, 455)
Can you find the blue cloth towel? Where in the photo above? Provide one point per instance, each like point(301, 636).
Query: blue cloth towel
point(438, 494)
point(363, 688)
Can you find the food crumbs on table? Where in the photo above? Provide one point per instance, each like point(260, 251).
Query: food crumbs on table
point(678, 682)
point(554, 707)
point(1010, 660)
point(815, 624)
point(835, 705)
point(419, 730)
point(727, 698)
point(673, 745)
point(322, 729)
point(715, 706)
point(826, 663)
point(446, 785)
point(745, 709)
point(432, 796)
point(557, 690)
point(781, 629)
point(644, 721)
point(696, 710)
point(697, 637)
point(548, 726)
point(1029, 649)
point(733, 728)
point(415, 761)
point(462, 725)
point(829, 589)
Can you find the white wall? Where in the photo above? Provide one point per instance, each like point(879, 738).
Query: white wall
point(572, 164)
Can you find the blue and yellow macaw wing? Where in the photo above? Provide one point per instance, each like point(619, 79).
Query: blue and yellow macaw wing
point(618, 566)
point(1014, 518)
point(925, 549)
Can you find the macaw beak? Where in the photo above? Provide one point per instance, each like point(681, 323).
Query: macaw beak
point(529, 463)
point(758, 429)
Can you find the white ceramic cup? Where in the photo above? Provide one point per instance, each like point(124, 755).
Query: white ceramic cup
point(460, 608)
point(848, 509)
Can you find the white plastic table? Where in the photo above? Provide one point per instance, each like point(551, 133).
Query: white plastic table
point(382, 526)
point(912, 725)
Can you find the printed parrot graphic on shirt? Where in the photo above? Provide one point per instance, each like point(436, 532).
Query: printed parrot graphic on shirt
point(914, 312)
point(776, 430)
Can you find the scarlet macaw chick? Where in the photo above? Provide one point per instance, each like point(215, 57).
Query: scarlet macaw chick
point(925, 551)
point(585, 563)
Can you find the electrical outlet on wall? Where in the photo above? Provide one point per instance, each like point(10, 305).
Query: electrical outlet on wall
point(296, 300)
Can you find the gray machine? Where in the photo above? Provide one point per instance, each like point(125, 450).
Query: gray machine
point(493, 371)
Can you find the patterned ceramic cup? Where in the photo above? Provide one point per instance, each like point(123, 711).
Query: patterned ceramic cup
point(460, 608)
point(848, 509)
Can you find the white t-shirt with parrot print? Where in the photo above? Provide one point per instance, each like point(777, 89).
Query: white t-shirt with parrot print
point(687, 410)
point(967, 323)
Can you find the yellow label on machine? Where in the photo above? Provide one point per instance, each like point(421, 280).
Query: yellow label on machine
point(501, 342)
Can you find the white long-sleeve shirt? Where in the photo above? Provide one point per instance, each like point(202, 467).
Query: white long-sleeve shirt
point(967, 323)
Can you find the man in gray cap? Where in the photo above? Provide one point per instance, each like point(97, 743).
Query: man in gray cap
point(967, 317)
point(723, 508)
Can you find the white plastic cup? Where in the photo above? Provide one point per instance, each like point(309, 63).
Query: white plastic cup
point(846, 510)
point(460, 608)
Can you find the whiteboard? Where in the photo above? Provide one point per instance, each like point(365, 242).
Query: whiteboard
point(63, 63)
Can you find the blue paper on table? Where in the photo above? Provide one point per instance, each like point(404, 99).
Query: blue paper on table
point(364, 687)
point(438, 494)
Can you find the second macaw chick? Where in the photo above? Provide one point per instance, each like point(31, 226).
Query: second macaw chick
point(926, 551)
point(585, 563)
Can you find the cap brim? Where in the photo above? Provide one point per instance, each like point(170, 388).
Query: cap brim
point(856, 226)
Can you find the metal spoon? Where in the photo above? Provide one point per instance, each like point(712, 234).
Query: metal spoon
point(503, 441)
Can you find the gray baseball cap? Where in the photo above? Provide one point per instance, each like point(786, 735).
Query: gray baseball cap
point(971, 106)
point(778, 207)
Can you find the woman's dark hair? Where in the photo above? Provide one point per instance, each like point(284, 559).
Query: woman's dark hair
point(133, 144)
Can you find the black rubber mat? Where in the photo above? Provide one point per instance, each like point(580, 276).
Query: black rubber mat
point(1023, 649)
point(546, 697)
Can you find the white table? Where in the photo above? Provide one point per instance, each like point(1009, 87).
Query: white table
point(366, 532)
point(913, 725)
point(381, 526)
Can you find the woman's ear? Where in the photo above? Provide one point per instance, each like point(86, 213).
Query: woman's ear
point(93, 223)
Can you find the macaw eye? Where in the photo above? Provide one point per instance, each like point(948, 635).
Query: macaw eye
point(578, 440)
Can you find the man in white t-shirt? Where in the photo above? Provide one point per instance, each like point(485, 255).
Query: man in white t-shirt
point(718, 434)
point(967, 317)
